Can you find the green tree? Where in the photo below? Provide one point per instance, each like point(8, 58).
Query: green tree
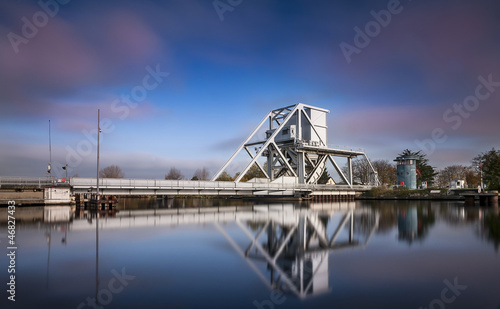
point(490, 163)
point(472, 177)
point(224, 177)
point(324, 177)
point(426, 172)
point(253, 172)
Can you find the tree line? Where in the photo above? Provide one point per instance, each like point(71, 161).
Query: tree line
point(485, 164)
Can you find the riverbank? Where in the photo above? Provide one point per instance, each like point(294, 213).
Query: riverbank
point(381, 193)
point(36, 197)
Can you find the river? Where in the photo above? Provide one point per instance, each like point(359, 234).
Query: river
point(200, 253)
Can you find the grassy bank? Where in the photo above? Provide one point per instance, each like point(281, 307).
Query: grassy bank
point(403, 193)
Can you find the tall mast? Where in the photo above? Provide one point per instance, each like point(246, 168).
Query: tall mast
point(50, 154)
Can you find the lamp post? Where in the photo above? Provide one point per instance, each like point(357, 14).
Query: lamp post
point(481, 171)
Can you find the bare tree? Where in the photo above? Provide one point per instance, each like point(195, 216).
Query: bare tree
point(112, 171)
point(174, 174)
point(361, 170)
point(450, 173)
point(201, 174)
point(386, 172)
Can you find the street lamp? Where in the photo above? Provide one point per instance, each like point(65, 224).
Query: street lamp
point(481, 171)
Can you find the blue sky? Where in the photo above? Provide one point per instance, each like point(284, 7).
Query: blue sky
point(412, 83)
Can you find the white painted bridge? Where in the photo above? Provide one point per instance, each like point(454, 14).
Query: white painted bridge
point(284, 186)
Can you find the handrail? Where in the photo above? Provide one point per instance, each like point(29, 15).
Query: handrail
point(121, 183)
point(31, 181)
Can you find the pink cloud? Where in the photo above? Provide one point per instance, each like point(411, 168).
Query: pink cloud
point(63, 59)
point(128, 36)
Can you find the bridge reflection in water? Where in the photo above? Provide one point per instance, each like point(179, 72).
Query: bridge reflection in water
point(288, 247)
point(297, 247)
point(294, 243)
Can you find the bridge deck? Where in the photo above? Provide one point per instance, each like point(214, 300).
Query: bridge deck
point(120, 186)
point(187, 187)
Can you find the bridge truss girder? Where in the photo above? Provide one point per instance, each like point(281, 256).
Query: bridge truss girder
point(294, 157)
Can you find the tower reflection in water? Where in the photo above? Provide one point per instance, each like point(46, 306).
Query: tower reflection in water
point(295, 243)
point(414, 222)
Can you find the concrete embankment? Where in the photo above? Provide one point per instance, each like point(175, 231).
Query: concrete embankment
point(422, 194)
point(21, 197)
point(36, 197)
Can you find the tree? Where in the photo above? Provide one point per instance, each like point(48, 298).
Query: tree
point(361, 170)
point(324, 177)
point(489, 163)
point(387, 173)
point(253, 172)
point(112, 171)
point(425, 171)
point(224, 177)
point(201, 174)
point(450, 173)
point(472, 177)
point(174, 174)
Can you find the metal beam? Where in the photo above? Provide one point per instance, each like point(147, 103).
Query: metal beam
point(315, 167)
point(375, 173)
point(284, 159)
point(339, 171)
point(241, 147)
point(257, 162)
point(266, 144)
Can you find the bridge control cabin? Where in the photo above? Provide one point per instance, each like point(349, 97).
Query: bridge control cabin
point(407, 171)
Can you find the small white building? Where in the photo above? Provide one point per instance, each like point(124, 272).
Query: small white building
point(457, 184)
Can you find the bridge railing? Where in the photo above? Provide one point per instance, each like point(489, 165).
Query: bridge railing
point(30, 181)
point(200, 185)
point(167, 184)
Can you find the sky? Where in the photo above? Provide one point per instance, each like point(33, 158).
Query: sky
point(182, 83)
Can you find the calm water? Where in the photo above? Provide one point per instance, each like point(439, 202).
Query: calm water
point(341, 255)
